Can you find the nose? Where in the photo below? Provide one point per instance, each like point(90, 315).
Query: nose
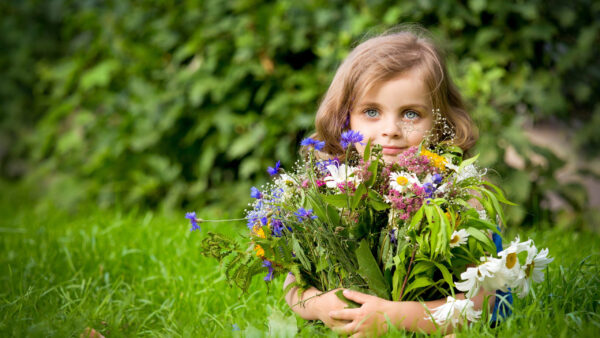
point(392, 127)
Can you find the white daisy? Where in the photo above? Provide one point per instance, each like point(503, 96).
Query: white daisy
point(287, 184)
point(490, 275)
point(458, 238)
point(454, 311)
point(520, 246)
point(483, 215)
point(474, 277)
point(452, 166)
point(402, 180)
point(467, 171)
point(341, 174)
point(442, 188)
point(532, 270)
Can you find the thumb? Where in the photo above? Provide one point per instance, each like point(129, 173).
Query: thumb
point(356, 296)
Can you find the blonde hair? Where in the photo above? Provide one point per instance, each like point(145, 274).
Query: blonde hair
point(380, 59)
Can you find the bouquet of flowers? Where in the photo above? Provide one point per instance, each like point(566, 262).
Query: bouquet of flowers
point(415, 229)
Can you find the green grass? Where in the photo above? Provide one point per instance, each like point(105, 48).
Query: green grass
point(140, 274)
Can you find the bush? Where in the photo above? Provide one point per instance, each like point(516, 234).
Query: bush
point(185, 103)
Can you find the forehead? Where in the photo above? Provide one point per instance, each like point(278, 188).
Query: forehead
point(405, 88)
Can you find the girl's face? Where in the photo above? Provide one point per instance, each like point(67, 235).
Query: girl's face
point(395, 114)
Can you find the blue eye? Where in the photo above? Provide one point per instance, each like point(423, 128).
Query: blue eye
point(371, 113)
point(411, 115)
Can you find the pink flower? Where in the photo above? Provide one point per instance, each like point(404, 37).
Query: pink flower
point(305, 184)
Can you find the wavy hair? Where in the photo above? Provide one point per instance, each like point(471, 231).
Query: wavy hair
point(381, 58)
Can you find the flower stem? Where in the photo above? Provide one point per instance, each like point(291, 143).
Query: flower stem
point(412, 258)
point(220, 220)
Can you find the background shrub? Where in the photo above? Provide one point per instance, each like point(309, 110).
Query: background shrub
point(185, 103)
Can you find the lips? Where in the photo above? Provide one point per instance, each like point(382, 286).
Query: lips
point(392, 150)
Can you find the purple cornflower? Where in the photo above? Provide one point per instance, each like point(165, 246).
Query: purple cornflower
point(255, 193)
point(350, 137)
point(277, 227)
point(311, 142)
point(274, 170)
point(323, 164)
point(303, 214)
point(268, 264)
point(429, 189)
point(193, 220)
point(393, 238)
point(437, 179)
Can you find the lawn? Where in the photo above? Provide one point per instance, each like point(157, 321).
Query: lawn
point(139, 273)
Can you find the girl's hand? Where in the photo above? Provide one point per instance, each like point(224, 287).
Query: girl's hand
point(367, 320)
point(313, 304)
point(325, 304)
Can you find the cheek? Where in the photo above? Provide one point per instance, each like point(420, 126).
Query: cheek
point(416, 134)
point(359, 147)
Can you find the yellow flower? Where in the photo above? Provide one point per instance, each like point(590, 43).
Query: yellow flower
point(260, 252)
point(456, 220)
point(401, 180)
point(258, 231)
point(436, 160)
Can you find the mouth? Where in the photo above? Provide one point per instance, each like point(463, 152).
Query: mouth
point(392, 150)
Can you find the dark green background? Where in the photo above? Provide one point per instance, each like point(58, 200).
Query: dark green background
point(175, 104)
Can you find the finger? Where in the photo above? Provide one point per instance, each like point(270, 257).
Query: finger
point(333, 324)
point(357, 335)
point(347, 314)
point(345, 329)
point(356, 296)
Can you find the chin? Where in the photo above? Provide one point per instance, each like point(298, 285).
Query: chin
point(388, 159)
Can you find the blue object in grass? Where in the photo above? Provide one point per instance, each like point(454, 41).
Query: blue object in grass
point(274, 170)
point(504, 300)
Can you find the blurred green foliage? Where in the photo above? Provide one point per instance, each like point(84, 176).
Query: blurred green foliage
point(185, 103)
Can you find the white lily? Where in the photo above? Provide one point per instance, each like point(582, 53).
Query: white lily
point(454, 311)
point(341, 174)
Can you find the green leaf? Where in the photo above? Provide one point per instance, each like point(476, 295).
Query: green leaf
point(322, 263)
point(445, 273)
point(416, 220)
point(246, 142)
point(499, 193)
point(421, 266)
point(338, 201)
point(369, 270)
point(100, 75)
point(317, 206)
point(373, 170)
point(376, 202)
point(481, 237)
point(351, 304)
point(333, 215)
point(367, 154)
point(300, 253)
point(417, 283)
point(360, 191)
point(467, 162)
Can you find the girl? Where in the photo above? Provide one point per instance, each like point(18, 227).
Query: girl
point(388, 89)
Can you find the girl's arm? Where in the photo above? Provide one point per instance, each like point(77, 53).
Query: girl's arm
point(413, 316)
point(313, 304)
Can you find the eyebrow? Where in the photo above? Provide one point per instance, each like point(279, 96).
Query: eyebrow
point(410, 105)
